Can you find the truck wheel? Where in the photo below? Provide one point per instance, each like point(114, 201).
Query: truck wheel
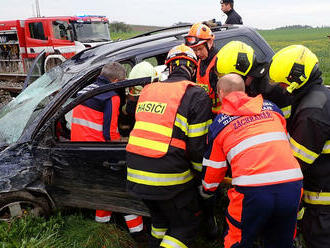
point(16, 204)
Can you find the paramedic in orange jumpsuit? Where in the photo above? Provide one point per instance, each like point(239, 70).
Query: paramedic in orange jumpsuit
point(250, 137)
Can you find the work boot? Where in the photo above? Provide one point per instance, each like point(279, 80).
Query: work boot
point(153, 242)
point(297, 242)
point(212, 230)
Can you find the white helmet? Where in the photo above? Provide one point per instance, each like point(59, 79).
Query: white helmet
point(143, 69)
point(140, 70)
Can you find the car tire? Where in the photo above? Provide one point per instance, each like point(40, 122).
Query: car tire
point(20, 203)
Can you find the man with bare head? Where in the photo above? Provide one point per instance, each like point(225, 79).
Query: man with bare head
point(229, 83)
point(250, 134)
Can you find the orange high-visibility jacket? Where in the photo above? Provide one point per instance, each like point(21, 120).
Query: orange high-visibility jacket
point(166, 168)
point(155, 116)
point(250, 135)
point(97, 118)
point(204, 82)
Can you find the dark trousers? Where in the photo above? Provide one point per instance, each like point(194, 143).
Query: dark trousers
point(174, 220)
point(316, 227)
point(266, 211)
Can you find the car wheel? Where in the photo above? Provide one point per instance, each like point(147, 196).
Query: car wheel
point(16, 204)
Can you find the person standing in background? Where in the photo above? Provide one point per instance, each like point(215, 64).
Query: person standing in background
point(227, 7)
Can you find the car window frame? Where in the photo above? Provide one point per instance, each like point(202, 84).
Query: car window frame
point(140, 57)
point(62, 111)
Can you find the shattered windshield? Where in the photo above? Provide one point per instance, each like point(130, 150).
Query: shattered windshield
point(15, 116)
point(92, 32)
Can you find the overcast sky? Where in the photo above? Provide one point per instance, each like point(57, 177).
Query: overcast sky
point(256, 13)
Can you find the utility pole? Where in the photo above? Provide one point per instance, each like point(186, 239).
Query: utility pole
point(33, 10)
point(37, 8)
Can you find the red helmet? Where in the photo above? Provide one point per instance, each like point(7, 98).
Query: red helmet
point(181, 52)
point(198, 34)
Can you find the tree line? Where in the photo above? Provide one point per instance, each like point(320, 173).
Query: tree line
point(120, 27)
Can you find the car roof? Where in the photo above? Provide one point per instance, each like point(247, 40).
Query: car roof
point(86, 64)
point(165, 39)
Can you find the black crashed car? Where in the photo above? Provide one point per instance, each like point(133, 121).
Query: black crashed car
point(41, 169)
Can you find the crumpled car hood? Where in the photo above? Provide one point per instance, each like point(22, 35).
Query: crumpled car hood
point(16, 168)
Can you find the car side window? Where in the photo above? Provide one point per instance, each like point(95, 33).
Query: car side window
point(85, 121)
point(61, 30)
point(128, 65)
point(89, 115)
point(156, 60)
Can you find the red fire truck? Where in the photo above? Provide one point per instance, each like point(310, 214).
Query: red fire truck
point(60, 37)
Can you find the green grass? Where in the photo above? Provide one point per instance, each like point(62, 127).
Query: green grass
point(295, 34)
point(74, 231)
point(123, 36)
point(315, 39)
point(77, 229)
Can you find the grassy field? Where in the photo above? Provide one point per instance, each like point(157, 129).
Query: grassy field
point(75, 230)
point(78, 229)
point(315, 39)
point(136, 30)
point(124, 36)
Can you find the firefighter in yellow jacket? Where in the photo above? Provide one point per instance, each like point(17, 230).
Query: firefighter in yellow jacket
point(165, 150)
point(296, 68)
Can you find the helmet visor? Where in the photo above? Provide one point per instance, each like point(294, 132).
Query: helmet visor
point(193, 41)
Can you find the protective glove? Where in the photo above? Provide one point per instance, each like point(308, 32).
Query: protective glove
point(203, 194)
point(301, 212)
point(135, 91)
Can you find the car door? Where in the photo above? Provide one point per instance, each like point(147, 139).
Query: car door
point(36, 69)
point(86, 174)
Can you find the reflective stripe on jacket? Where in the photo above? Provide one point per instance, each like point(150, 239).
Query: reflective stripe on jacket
point(162, 178)
point(316, 198)
point(250, 134)
point(155, 117)
point(87, 124)
point(204, 82)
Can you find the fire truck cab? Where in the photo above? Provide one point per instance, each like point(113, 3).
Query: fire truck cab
point(60, 37)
